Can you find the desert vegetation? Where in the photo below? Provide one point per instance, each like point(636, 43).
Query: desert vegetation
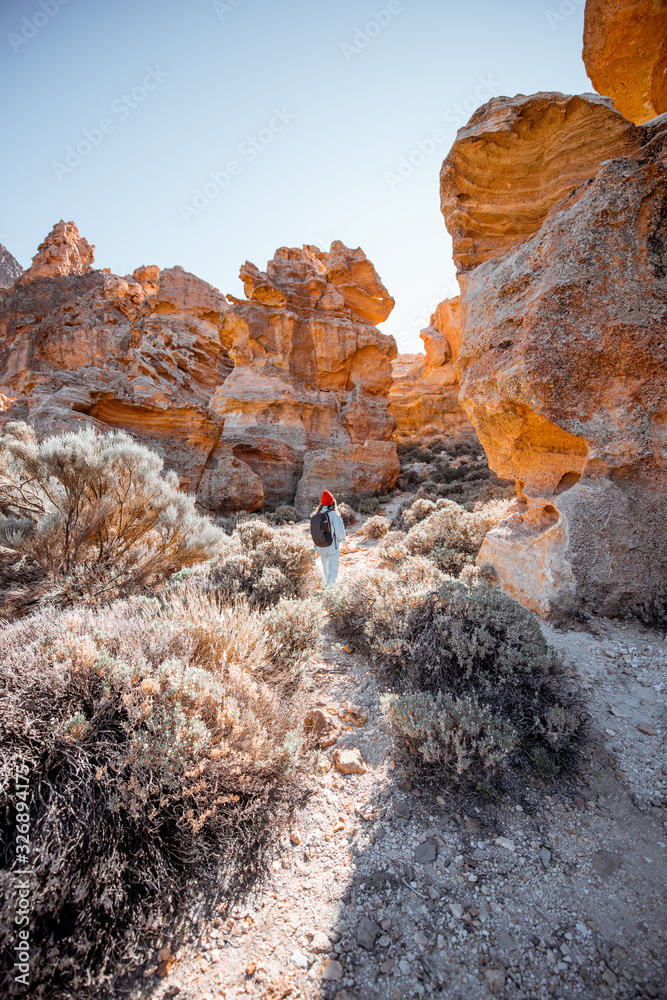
point(154, 670)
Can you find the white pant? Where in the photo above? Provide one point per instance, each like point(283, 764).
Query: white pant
point(330, 563)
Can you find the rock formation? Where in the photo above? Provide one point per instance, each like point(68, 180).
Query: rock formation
point(516, 159)
point(311, 372)
point(10, 269)
point(235, 397)
point(141, 353)
point(625, 52)
point(64, 251)
point(563, 362)
point(424, 397)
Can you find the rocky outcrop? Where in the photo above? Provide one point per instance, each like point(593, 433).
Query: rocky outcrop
point(63, 252)
point(234, 396)
point(625, 52)
point(141, 353)
point(10, 269)
point(371, 467)
point(311, 372)
point(563, 361)
point(516, 159)
point(424, 397)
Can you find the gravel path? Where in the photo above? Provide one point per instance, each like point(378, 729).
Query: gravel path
point(383, 892)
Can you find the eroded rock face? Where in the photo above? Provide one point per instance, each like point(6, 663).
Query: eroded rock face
point(516, 159)
point(563, 370)
point(625, 52)
point(311, 372)
point(234, 397)
point(141, 353)
point(424, 397)
point(10, 269)
point(64, 251)
point(371, 467)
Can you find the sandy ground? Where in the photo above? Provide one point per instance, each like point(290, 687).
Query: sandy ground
point(383, 891)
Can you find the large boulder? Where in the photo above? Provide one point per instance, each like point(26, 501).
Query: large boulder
point(142, 353)
point(563, 362)
point(311, 371)
point(424, 396)
point(625, 52)
point(372, 467)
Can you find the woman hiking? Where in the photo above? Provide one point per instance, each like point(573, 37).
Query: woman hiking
point(328, 533)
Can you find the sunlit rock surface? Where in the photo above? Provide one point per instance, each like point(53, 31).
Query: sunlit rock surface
point(311, 371)
point(563, 361)
point(625, 53)
point(424, 394)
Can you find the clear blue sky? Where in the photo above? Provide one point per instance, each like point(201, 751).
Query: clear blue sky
point(313, 114)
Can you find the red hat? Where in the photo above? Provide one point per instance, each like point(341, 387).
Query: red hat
point(327, 498)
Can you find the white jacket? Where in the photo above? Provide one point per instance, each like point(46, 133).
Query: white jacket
point(338, 529)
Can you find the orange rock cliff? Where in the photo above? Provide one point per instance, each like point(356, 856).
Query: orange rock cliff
point(239, 396)
point(555, 206)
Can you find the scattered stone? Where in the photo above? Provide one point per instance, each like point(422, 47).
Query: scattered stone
point(608, 977)
point(387, 966)
point(421, 939)
point(295, 838)
point(173, 989)
point(332, 971)
point(367, 933)
point(404, 966)
point(320, 942)
point(299, 959)
point(545, 856)
point(433, 893)
point(149, 971)
point(505, 843)
point(456, 910)
point(384, 941)
point(321, 728)
point(402, 809)
point(579, 802)
point(426, 852)
point(495, 979)
point(606, 862)
point(647, 729)
point(349, 761)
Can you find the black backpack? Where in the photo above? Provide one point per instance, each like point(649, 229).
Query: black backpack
point(320, 529)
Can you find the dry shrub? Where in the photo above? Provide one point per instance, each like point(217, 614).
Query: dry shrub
point(285, 514)
point(161, 768)
point(451, 536)
point(455, 737)
point(651, 610)
point(93, 516)
point(265, 564)
point(375, 527)
point(292, 628)
point(414, 512)
point(467, 642)
point(391, 551)
point(347, 514)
